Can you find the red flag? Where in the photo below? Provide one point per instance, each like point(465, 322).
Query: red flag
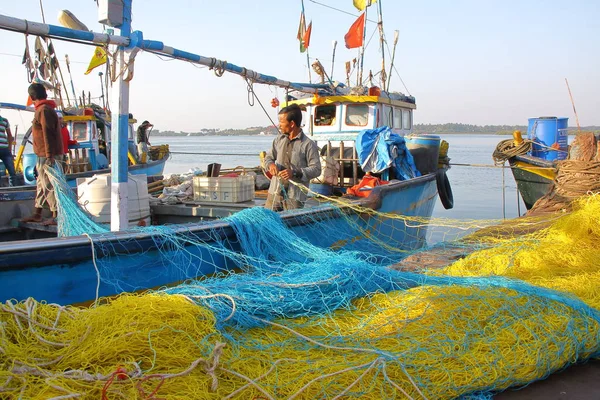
point(354, 37)
point(306, 37)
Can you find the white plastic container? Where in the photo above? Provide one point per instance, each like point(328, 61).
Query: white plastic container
point(94, 196)
point(224, 189)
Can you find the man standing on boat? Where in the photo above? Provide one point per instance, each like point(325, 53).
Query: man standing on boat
point(143, 140)
point(293, 156)
point(6, 142)
point(48, 146)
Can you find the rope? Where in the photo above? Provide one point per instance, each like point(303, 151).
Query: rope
point(251, 90)
point(507, 149)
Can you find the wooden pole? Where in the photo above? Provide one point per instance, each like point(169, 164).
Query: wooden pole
point(396, 34)
point(307, 56)
point(362, 48)
point(381, 42)
point(573, 104)
point(333, 58)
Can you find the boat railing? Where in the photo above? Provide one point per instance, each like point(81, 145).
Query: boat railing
point(347, 158)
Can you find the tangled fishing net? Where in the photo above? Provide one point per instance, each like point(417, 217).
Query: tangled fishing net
point(296, 320)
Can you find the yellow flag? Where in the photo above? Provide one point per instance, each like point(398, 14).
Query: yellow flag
point(98, 59)
point(362, 4)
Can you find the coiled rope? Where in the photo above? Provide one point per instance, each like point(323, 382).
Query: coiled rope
point(507, 149)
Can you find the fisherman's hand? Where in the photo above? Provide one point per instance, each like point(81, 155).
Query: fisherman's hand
point(286, 174)
point(273, 169)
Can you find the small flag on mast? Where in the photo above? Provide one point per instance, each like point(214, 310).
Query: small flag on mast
point(304, 33)
point(354, 37)
point(362, 4)
point(98, 59)
point(306, 37)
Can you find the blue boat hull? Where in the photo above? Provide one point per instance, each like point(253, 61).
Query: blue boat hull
point(65, 271)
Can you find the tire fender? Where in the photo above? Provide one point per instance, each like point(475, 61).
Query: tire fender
point(444, 189)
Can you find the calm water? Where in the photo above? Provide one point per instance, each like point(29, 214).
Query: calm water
point(477, 191)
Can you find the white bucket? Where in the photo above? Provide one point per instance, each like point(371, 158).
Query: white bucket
point(94, 196)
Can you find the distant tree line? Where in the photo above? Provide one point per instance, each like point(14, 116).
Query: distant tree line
point(449, 128)
point(485, 129)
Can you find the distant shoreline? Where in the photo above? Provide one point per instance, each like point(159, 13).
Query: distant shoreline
point(416, 130)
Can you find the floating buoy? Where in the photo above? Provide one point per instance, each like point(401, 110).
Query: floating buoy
point(68, 20)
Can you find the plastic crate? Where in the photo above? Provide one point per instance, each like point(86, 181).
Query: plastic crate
point(224, 189)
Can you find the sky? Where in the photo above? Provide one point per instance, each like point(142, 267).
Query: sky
point(479, 62)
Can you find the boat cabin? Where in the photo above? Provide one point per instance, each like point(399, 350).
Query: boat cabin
point(334, 122)
point(92, 151)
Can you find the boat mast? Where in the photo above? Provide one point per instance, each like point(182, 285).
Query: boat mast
point(120, 128)
point(362, 48)
point(381, 42)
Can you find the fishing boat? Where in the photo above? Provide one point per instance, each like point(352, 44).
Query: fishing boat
point(533, 161)
point(388, 217)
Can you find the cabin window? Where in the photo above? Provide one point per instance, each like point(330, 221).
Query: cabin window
point(357, 114)
point(386, 116)
point(397, 118)
point(80, 131)
point(406, 119)
point(325, 115)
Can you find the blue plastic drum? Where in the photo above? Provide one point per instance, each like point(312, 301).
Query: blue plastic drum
point(550, 136)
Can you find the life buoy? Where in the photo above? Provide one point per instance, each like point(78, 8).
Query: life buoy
point(444, 189)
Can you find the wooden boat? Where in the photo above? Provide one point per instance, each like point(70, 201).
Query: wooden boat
point(534, 167)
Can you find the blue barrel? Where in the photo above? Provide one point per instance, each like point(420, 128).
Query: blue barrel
point(425, 150)
point(547, 132)
point(29, 161)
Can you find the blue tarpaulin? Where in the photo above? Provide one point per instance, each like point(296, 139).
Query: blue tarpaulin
point(379, 149)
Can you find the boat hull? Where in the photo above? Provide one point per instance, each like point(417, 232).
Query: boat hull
point(533, 176)
point(67, 271)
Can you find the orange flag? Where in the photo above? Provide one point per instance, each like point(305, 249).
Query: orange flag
point(354, 37)
point(306, 38)
point(301, 33)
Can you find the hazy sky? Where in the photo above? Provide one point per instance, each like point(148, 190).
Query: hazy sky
point(470, 61)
